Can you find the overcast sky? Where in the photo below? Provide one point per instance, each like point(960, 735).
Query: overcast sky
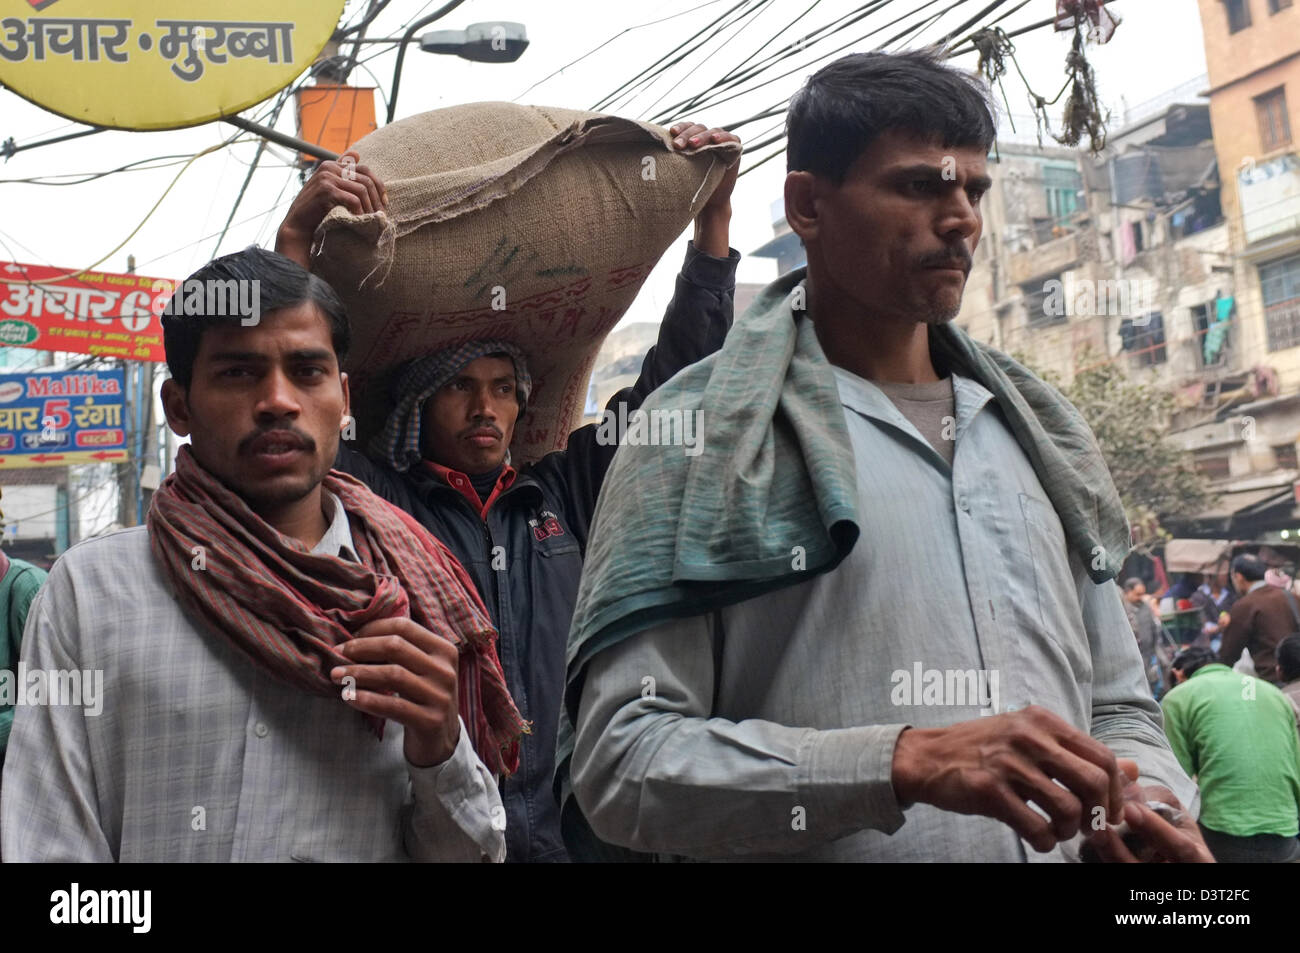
point(1157, 48)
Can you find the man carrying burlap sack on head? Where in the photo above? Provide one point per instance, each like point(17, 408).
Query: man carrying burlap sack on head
point(443, 456)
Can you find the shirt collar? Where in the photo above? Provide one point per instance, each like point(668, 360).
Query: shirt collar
point(859, 394)
point(337, 540)
point(461, 483)
point(1256, 585)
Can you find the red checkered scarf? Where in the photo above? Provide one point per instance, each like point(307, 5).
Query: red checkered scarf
point(287, 608)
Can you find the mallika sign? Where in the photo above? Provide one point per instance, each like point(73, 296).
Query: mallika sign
point(158, 64)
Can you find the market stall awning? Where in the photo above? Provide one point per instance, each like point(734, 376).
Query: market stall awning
point(1239, 514)
point(1195, 555)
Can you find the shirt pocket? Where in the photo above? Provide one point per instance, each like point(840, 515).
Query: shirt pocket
point(1056, 603)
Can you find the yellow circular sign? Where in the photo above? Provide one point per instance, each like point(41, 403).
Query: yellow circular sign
point(158, 64)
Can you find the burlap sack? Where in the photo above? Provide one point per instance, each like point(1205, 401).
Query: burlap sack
point(530, 224)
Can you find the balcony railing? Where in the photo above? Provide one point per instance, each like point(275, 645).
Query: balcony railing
point(1043, 261)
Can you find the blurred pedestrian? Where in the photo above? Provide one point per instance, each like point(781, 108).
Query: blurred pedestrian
point(1144, 622)
point(1214, 598)
point(1237, 736)
point(19, 583)
point(1262, 617)
point(1288, 663)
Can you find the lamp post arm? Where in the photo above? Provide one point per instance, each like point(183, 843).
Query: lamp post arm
point(401, 50)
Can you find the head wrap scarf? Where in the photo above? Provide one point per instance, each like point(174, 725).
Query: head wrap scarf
point(399, 442)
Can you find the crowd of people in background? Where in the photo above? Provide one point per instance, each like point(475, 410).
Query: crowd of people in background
point(1229, 687)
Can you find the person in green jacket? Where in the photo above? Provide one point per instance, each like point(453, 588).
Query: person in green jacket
point(19, 582)
point(1236, 735)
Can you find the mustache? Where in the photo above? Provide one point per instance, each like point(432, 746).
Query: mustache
point(955, 257)
point(307, 442)
point(479, 428)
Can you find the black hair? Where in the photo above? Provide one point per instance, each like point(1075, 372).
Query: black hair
point(1190, 661)
point(1252, 567)
point(843, 107)
point(219, 294)
point(1132, 583)
point(1288, 657)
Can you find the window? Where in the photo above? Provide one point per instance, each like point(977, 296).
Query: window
point(1238, 14)
point(1062, 183)
point(1286, 456)
point(1139, 228)
point(1144, 338)
point(1279, 283)
point(1211, 352)
point(1214, 467)
point(1204, 212)
point(1045, 303)
point(1274, 126)
point(1275, 5)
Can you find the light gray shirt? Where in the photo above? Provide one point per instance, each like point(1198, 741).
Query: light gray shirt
point(199, 755)
point(768, 729)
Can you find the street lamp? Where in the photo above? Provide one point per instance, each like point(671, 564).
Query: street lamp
point(483, 42)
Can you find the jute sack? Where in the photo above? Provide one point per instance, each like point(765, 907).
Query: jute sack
point(529, 224)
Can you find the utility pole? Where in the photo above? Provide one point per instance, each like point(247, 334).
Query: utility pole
point(150, 473)
point(126, 472)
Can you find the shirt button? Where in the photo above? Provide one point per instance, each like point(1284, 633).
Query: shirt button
point(963, 503)
point(261, 730)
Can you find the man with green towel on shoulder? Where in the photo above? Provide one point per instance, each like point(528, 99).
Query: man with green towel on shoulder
point(876, 618)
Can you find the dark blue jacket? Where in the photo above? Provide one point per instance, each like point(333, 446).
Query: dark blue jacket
point(541, 521)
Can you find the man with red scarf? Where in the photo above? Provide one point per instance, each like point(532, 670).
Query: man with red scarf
point(293, 668)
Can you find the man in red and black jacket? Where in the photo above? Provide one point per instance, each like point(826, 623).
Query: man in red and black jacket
point(520, 533)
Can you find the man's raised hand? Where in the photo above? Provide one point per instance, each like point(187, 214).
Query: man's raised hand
point(712, 224)
point(345, 183)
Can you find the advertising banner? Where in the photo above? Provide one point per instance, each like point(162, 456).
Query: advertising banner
point(57, 418)
point(92, 313)
point(158, 64)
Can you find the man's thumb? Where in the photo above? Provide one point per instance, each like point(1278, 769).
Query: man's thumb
point(1129, 767)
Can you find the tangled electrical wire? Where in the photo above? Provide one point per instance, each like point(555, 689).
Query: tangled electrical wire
point(1082, 109)
point(1082, 115)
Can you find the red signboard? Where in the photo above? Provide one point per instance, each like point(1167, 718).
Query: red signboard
point(92, 313)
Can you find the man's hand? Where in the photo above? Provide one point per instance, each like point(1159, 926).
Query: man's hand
point(344, 183)
point(712, 224)
point(995, 765)
point(1147, 837)
point(408, 674)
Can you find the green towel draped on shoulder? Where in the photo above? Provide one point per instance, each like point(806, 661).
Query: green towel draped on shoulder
point(771, 497)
